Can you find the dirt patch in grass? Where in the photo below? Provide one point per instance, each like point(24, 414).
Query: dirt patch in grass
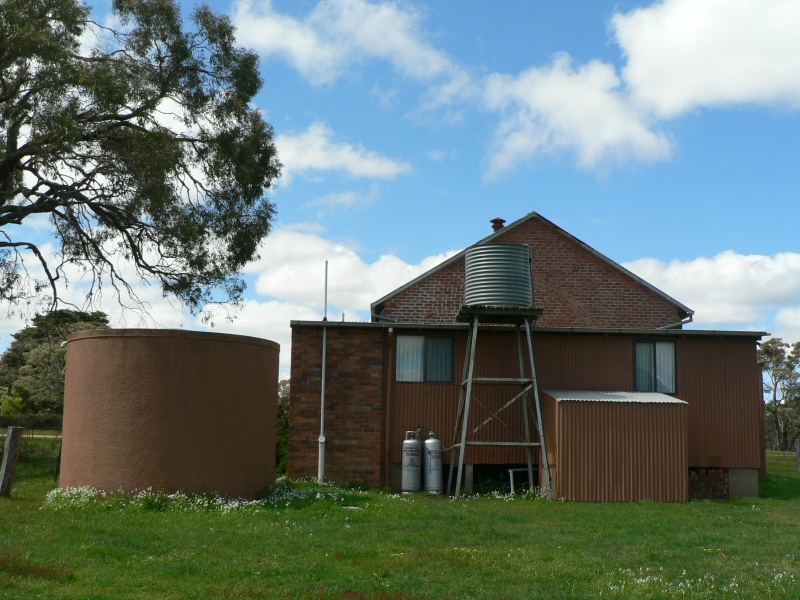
point(374, 595)
point(17, 566)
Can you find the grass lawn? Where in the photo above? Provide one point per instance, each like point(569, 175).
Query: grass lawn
point(325, 542)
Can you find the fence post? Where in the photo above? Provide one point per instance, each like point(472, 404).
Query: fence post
point(10, 454)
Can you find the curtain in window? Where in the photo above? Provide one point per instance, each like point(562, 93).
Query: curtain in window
point(410, 358)
point(665, 367)
point(439, 358)
point(645, 368)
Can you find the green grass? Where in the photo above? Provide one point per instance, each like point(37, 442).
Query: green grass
point(345, 544)
point(40, 443)
point(782, 462)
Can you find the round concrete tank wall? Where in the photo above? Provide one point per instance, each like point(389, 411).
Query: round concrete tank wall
point(170, 410)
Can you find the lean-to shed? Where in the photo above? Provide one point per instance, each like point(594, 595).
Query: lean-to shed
point(617, 446)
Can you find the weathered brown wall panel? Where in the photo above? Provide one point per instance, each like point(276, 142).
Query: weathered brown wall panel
point(170, 410)
point(584, 362)
point(721, 381)
point(433, 406)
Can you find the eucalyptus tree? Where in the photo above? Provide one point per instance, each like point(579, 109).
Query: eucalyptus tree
point(780, 364)
point(137, 144)
point(32, 368)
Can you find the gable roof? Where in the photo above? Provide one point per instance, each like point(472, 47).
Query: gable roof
point(684, 311)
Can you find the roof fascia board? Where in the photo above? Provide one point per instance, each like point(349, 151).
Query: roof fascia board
point(556, 330)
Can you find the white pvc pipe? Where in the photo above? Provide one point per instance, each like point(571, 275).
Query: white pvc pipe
point(321, 459)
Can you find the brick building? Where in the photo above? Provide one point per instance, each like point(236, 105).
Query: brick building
point(696, 429)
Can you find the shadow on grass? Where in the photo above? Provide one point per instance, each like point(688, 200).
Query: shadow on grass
point(780, 487)
point(36, 467)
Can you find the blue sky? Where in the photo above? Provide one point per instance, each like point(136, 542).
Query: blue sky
point(664, 134)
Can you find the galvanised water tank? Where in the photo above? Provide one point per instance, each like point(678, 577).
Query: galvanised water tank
point(498, 275)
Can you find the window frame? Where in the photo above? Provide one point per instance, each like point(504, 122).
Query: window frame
point(654, 366)
point(425, 375)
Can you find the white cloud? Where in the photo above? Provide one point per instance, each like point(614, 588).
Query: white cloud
point(289, 286)
point(260, 27)
point(338, 201)
point(787, 323)
point(678, 55)
point(268, 320)
point(388, 31)
point(560, 107)
point(146, 308)
point(729, 288)
point(337, 35)
point(292, 268)
point(682, 54)
point(315, 150)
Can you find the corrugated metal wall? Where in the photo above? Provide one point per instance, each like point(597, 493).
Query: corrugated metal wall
point(584, 362)
point(719, 378)
point(721, 381)
point(620, 451)
point(433, 406)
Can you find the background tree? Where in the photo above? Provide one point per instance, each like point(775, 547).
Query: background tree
point(781, 368)
point(282, 438)
point(143, 151)
point(32, 368)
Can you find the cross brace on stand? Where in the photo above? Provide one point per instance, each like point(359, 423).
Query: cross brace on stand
point(520, 316)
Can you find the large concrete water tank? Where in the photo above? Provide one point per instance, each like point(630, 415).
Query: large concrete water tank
point(498, 275)
point(170, 410)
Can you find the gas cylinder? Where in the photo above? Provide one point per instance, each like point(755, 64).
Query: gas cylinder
point(411, 463)
point(432, 464)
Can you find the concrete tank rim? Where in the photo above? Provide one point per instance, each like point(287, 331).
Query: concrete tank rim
point(172, 333)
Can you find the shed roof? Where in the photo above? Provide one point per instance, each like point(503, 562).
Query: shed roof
point(597, 396)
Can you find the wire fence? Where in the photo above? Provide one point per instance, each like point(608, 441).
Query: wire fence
point(37, 442)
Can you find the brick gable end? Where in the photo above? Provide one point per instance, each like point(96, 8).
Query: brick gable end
point(575, 287)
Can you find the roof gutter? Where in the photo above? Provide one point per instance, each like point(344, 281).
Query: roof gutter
point(379, 317)
point(679, 325)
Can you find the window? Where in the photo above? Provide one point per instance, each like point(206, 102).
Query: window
point(655, 367)
point(422, 358)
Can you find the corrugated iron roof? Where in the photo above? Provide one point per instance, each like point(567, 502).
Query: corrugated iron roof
point(596, 396)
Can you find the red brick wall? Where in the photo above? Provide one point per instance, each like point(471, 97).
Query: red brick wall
point(353, 404)
point(575, 287)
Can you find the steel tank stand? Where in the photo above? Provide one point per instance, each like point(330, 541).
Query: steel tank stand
point(521, 317)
